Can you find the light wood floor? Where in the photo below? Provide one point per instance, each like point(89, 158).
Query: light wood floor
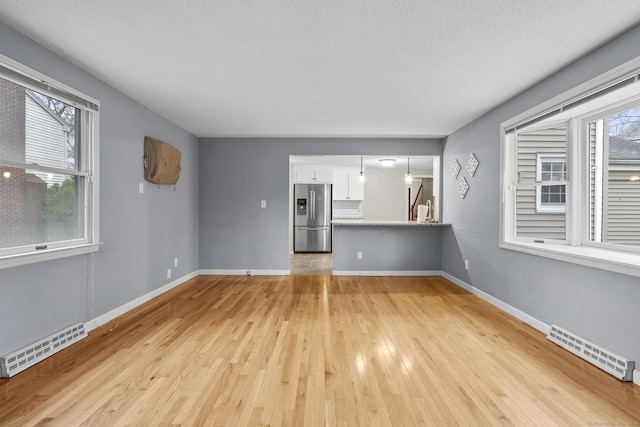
point(316, 350)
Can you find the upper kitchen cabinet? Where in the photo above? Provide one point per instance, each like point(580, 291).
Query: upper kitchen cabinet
point(313, 174)
point(347, 185)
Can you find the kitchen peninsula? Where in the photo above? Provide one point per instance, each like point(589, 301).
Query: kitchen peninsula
point(391, 248)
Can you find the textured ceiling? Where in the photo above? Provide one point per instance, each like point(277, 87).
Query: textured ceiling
point(320, 68)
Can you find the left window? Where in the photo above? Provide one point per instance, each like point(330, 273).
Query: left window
point(48, 168)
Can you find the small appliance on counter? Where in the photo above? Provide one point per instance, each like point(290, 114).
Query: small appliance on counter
point(312, 218)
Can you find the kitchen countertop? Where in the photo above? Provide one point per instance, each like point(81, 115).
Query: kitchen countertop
point(387, 223)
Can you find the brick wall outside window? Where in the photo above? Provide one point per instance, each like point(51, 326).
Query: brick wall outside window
point(21, 194)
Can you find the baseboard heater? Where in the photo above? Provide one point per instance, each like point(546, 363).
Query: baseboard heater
point(19, 360)
point(615, 365)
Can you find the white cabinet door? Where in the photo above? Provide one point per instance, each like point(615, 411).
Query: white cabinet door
point(340, 184)
point(347, 185)
point(304, 175)
point(324, 175)
point(314, 174)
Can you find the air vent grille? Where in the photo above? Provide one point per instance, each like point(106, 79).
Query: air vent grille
point(615, 365)
point(22, 359)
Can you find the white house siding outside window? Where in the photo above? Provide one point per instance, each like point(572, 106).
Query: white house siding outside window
point(48, 167)
point(571, 175)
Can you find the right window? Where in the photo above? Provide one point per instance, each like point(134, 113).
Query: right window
point(614, 177)
point(571, 176)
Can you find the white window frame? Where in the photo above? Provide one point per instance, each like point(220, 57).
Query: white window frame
point(582, 135)
point(577, 248)
point(549, 207)
point(89, 117)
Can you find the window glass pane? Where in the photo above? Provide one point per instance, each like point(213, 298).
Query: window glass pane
point(36, 129)
point(34, 210)
point(614, 145)
point(36, 205)
point(553, 194)
point(50, 132)
point(541, 156)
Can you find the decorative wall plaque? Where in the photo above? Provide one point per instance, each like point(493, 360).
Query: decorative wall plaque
point(455, 169)
point(463, 187)
point(472, 164)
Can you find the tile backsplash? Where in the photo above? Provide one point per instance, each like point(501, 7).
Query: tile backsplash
point(347, 209)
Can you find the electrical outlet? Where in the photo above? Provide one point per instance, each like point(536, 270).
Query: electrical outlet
point(168, 273)
point(263, 204)
point(466, 264)
point(359, 255)
point(175, 262)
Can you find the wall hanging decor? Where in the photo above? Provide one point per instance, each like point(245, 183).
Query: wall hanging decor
point(455, 169)
point(463, 187)
point(472, 164)
point(161, 161)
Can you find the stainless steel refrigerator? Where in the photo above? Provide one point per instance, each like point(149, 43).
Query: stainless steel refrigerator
point(312, 218)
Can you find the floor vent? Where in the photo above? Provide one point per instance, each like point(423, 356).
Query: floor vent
point(617, 366)
point(20, 360)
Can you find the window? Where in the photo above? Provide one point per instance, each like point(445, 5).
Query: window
point(571, 175)
point(551, 168)
point(48, 185)
point(541, 171)
point(614, 182)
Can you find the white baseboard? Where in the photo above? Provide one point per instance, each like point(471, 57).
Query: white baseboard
point(119, 311)
point(521, 315)
point(636, 377)
point(247, 272)
point(389, 273)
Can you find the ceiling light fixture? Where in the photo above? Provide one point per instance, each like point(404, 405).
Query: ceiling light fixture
point(361, 177)
point(408, 179)
point(387, 163)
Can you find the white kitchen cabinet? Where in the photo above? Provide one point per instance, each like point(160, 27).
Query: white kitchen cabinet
point(347, 185)
point(313, 174)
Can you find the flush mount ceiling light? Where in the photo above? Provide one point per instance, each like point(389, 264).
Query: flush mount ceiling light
point(408, 179)
point(361, 177)
point(387, 162)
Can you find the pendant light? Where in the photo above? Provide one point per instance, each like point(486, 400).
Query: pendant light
point(361, 177)
point(408, 179)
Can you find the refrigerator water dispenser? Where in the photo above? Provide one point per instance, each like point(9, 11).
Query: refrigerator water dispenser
point(301, 207)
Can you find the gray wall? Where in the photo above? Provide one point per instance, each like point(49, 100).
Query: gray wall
point(415, 248)
point(141, 233)
point(235, 174)
point(598, 305)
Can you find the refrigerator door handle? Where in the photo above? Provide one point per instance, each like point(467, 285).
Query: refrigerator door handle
point(313, 204)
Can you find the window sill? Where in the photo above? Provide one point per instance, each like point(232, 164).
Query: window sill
point(46, 255)
point(604, 259)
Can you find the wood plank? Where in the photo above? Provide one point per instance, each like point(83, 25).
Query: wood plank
point(316, 350)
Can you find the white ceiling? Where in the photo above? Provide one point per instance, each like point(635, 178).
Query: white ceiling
point(404, 68)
